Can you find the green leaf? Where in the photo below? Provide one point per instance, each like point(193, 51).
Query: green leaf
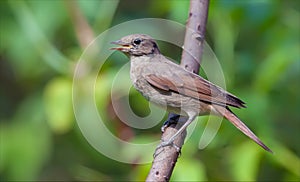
point(244, 161)
point(58, 105)
point(25, 141)
point(275, 65)
point(286, 158)
point(189, 170)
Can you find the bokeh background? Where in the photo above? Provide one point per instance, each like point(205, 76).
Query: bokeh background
point(257, 43)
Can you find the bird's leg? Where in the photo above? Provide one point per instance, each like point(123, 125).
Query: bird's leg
point(183, 127)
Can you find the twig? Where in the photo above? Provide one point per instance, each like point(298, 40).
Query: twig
point(83, 30)
point(165, 158)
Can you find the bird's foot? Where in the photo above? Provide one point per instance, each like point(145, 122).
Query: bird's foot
point(172, 119)
point(167, 143)
point(165, 125)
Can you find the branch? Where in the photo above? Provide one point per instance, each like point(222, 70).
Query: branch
point(165, 158)
point(194, 36)
point(83, 31)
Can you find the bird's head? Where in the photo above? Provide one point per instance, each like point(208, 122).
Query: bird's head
point(136, 45)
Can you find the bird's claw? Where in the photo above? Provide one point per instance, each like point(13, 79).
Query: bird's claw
point(172, 144)
point(168, 143)
point(163, 128)
point(172, 119)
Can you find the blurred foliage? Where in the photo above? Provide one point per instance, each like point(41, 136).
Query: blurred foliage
point(257, 43)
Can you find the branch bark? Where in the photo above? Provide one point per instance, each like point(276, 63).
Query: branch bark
point(165, 158)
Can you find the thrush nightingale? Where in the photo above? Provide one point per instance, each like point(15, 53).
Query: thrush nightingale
point(168, 85)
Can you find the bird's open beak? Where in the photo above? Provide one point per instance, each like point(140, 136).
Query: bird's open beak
point(124, 47)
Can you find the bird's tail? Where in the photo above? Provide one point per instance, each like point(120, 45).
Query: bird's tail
point(230, 116)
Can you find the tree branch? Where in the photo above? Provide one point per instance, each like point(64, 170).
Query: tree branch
point(165, 158)
point(83, 30)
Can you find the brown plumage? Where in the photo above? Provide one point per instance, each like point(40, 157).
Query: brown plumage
point(167, 84)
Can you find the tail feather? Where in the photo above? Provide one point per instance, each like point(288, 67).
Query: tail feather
point(230, 116)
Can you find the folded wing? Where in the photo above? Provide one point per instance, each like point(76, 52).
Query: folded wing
point(194, 86)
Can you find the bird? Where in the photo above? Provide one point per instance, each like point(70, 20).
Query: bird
point(168, 85)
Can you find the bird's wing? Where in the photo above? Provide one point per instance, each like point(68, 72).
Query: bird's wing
point(194, 86)
point(161, 82)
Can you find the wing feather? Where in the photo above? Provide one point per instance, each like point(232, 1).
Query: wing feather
point(196, 87)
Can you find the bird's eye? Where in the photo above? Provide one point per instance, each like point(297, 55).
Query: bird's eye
point(137, 41)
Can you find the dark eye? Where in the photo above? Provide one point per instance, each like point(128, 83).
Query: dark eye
point(137, 41)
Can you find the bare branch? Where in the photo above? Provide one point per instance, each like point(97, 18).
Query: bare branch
point(194, 36)
point(165, 158)
point(83, 31)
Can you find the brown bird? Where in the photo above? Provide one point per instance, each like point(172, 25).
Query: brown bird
point(170, 86)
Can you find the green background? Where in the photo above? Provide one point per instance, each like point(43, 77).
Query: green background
point(257, 44)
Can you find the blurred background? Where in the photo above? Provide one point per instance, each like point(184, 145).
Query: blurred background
point(257, 43)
